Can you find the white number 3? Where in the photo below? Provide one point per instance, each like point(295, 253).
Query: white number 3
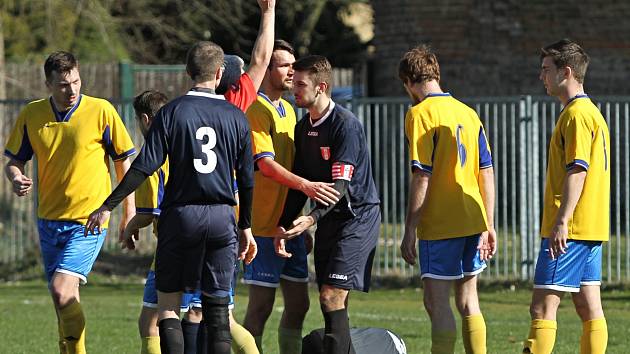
point(211, 156)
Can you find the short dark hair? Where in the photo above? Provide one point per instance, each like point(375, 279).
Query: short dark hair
point(419, 65)
point(149, 102)
point(61, 62)
point(318, 67)
point(203, 60)
point(567, 53)
point(281, 44)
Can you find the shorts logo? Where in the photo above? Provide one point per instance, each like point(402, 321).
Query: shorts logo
point(265, 275)
point(338, 276)
point(325, 150)
point(313, 134)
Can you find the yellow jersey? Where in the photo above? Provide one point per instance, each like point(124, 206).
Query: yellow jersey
point(272, 136)
point(72, 151)
point(580, 138)
point(447, 140)
point(150, 193)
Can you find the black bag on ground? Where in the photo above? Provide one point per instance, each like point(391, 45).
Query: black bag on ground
point(364, 340)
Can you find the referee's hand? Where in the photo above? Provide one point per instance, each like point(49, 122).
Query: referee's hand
point(247, 249)
point(96, 220)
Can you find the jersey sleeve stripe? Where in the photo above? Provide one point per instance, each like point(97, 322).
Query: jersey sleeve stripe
point(264, 154)
point(154, 211)
point(25, 153)
point(485, 158)
point(421, 167)
point(124, 154)
point(577, 162)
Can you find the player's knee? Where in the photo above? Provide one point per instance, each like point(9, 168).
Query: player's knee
point(587, 311)
point(216, 317)
point(435, 305)
point(194, 315)
point(259, 311)
point(147, 323)
point(330, 300)
point(61, 296)
point(299, 308)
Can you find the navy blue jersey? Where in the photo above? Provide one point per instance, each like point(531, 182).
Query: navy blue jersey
point(334, 147)
point(207, 140)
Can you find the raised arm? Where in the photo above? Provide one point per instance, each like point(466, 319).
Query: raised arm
point(263, 47)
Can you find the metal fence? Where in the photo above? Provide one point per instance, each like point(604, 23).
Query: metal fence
point(518, 129)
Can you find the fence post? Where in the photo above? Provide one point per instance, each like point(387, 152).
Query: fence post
point(523, 183)
point(126, 89)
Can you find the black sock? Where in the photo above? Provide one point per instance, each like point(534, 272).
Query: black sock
point(171, 337)
point(337, 333)
point(217, 322)
point(202, 339)
point(189, 330)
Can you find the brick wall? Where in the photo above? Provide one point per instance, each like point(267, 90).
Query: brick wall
point(491, 47)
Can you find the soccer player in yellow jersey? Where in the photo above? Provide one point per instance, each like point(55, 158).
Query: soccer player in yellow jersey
point(576, 206)
point(272, 121)
point(452, 179)
point(71, 136)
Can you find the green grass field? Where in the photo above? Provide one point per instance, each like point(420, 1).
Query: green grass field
point(28, 322)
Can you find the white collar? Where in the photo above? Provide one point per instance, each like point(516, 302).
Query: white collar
point(321, 120)
point(205, 94)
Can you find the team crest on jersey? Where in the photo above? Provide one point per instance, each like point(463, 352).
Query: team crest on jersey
point(325, 150)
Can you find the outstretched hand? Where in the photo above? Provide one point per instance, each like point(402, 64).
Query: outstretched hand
point(298, 226)
point(321, 192)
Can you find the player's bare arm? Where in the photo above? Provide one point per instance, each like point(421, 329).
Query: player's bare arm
point(571, 192)
point(129, 203)
point(131, 234)
point(263, 47)
point(321, 192)
point(488, 240)
point(417, 195)
point(21, 184)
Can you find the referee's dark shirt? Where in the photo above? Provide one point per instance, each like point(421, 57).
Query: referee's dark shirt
point(320, 148)
point(207, 140)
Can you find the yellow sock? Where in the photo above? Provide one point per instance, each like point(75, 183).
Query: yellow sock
point(290, 340)
point(594, 337)
point(62, 340)
point(474, 334)
point(542, 336)
point(150, 345)
point(73, 327)
point(443, 342)
point(242, 340)
point(258, 340)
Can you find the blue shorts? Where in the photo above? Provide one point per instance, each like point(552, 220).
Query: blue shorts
point(581, 265)
point(267, 268)
point(451, 258)
point(66, 250)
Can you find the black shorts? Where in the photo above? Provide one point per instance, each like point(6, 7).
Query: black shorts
point(344, 248)
point(197, 246)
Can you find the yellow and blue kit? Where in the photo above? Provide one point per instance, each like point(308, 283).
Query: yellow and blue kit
point(71, 151)
point(580, 138)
